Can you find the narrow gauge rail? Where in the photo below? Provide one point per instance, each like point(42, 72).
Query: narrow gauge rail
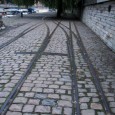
point(73, 72)
point(20, 35)
point(37, 56)
point(75, 96)
point(93, 72)
point(2, 32)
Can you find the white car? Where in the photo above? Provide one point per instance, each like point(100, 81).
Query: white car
point(11, 12)
point(24, 11)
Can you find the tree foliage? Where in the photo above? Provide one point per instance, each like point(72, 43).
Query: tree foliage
point(23, 2)
point(66, 4)
point(61, 5)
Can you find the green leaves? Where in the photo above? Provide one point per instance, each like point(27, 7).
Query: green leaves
point(23, 2)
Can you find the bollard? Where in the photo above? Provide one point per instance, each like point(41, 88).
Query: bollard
point(21, 14)
point(1, 23)
point(2, 26)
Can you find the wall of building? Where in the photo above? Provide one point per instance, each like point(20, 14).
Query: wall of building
point(101, 19)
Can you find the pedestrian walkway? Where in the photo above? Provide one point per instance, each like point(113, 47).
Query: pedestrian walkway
point(50, 74)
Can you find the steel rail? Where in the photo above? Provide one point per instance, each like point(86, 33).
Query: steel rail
point(93, 72)
point(20, 35)
point(37, 56)
point(75, 97)
point(73, 71)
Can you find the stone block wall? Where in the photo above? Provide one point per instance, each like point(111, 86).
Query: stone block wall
point(101, 19)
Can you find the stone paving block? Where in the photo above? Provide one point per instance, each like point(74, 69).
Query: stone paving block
point(42, 109)
point(84, 99)
point(49, 102)
point(40, 96)
point(4, 94)
point(83, 106)
point(53, 96)
point(25, 89)
point(63, 103)
point(13, 113)
point(95, 99)
point(68, 111)
point(16, 107)
point(112, 104)
point(31, 94)
point(35, 89)
point(88, 112)
point(33, 101)
point(28, 108)
point(60, 91)
point(46, 90)
point(65, 87)
point(57, 110)
point(113, 110)
point(54, 86)
point(96, 106)
point(20, 100)
point(28, 85)
point(2, 100)
point(29, 114)
point(66, 97)
point(101, 113)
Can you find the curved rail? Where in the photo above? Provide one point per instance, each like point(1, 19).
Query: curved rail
point(75, 96)
point(93, 72)
point(20, 35)
point(37, 56)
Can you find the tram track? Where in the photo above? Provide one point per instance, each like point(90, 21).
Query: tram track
point(91, 68)
point(75, 96)
point(40, 52)
point(73, 72)
point(37, 56)
point(27, 30)
point(93, 72)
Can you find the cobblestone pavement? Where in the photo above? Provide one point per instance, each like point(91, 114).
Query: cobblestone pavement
point(103, 60)
point(47, 90)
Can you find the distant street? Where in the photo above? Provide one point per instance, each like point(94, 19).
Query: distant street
point(50, 66)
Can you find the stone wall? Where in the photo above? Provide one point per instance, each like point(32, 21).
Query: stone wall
point(101, 19)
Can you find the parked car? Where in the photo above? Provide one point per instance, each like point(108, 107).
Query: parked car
point(31, 10)
point(11, 12)
point(24, 11)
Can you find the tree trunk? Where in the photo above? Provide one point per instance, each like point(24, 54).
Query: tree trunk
point(4, 1)
point(59, 10)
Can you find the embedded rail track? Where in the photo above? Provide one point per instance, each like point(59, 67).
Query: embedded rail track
point(40, 52)
point(91, 68)
point(37, 56)
point(93, 72)
point(20, 35)
point(75, 96)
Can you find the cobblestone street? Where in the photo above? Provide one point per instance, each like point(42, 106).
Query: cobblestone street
point(54, 67)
